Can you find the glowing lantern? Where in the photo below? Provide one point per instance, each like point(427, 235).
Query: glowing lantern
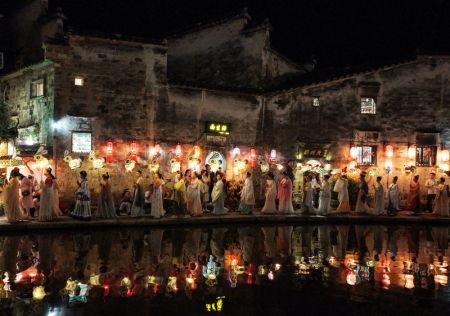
point(327, 167)
point(158, 148)
point(125, 282)
point(445, 155)
point(172, 284)
point(236, 151)
point(39, 293)
point(109, 148)
point(351, 278)
point(94, 279)
point(129, 165)
point(273, 154)
point(74, 163)
point(197, 151)
point(444, 167)
point(253, 153)
point(353, 152)
point(280, 167)
point(409, 278)
point(270, 275)
point(98, 163)
point(277, 266)
point(441, 279)
point(411, 153)
point(389, 151)
point(133, 148)
point(178, 150)
point(385, 280)
point(388, 165)
point(152, 151)
point(351, 165)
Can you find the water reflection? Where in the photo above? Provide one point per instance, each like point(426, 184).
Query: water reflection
point(207, 269)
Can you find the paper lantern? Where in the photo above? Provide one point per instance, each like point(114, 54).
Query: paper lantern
point(74, 163)
point(353, 152)
point(351, 278)
point(351, 165)
point(109, 148)
point(273, 154)
point(388, 164)
point(178, 150)
point(158, 148)
point(253, 153)
point(129, 165)
point(385, 280)
point(270, 275)
point(444, 155)
point(152, 151)
point(277, 266)
point(409, 281)
point(441, 279)
point(236, 151)
point(39, 293)
point(133, 148)
point(197, 151)
point(98, 163)
point(280, 167)
point(389, 151)
point(411, 153)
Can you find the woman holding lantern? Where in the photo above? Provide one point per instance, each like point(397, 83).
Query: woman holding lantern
point(341, 187)
point(285, 195)
point(379, 197)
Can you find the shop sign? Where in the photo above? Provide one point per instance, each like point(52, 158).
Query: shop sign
point(218, 128)
point(81, 142)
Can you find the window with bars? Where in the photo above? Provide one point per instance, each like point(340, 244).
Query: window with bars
point(366, 155)
point(426, 156)
point(368, 106)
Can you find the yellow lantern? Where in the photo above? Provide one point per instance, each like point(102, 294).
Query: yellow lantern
point(353, 152)
point(389, 151)
point(444, 155)
point(39, 293)
point(409, 278)
point(411, 153)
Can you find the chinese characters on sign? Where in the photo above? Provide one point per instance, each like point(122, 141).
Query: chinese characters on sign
point(81, 142)
point(218, 128)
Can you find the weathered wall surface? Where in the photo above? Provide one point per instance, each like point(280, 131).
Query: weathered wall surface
point(32, 113)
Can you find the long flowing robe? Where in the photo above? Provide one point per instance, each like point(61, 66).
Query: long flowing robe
point(394, 199)
point(341, 187)
point(324, 198)
point(440, 206)
point(285, 196)
point(11, 201)
point(205, 188)
point(58, 211)
point(137, 209)
point(106, 207)
point(379, 199)
point(47, 209)
point(308, 206)
point(82, 207)
point(157, 210)
point(27, 200)
point(361, 201)
point(247, 197)
point(194, 203)
point(414, 196)
point(218, 198)
point(270, 205)
point(180, 195)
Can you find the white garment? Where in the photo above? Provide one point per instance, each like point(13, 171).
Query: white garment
point(47, 209)
point(324, 198)
point(431, 184)
point(56, 198)
point(271, 195)
point(12, 201)
point(379, 199)
point(218, 198)
point(308, 199)
point(394, 196)
point(341, 187)
point(157, 210)
point(248, 194)
point(194, 203)
point(440, 206)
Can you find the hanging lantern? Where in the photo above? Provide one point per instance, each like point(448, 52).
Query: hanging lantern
point(39, 293)
point(354, 152)
point(109, 148)
point(253, 153)
point(98, 163)
point(351, 165)
point(133, 148)
point(389, 151)
point(178, 150)
point(388, 164)
point(444, 155)
point(236, 151)
point(273, 154)
point(411, 153)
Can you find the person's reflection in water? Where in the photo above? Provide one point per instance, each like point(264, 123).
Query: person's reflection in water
point(191, 245)
point(269, 241)
point(361, 234)
point(378, 234)
point(342, 241)
point(392, 237)
point(440, 236)
point(324, 239)
point(247, 237)
point(8, 258)
point(284, 249)
point(155, 238)
point(137, 237)
point(82, 244)
point(216, 243)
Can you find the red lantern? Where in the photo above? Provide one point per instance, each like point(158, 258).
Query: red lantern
point(109, 151)
point(178, 150)
point(253, 153)
point(133, 148)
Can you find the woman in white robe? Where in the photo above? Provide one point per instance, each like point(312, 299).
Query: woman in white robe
point(394, 198)
point(157, 209)
point(440, 206)
point(325, 196)
point(218, 197)
point(47, 209)
point(247, 196)
point(341, 187)
point(270, 205)
point(379, 198)
point(194, 202)
point(11, 198)
point(58, 211)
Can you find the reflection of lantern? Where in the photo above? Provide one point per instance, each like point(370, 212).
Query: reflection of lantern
point(389, 151)
point(409, 278)
point(385, 280)
point(351, 278)
point(273, 154)
point(109, 148)
point(270, 275)
point(441, 279)
point(411, 153)
point(39, 293)
point(444, 155)
point(178, 150)
point(353, 152)
point(253, 153)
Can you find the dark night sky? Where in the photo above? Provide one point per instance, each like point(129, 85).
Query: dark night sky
point(337, 32)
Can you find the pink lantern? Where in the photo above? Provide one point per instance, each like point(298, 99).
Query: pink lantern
point(253, 153)
point(273, 154)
